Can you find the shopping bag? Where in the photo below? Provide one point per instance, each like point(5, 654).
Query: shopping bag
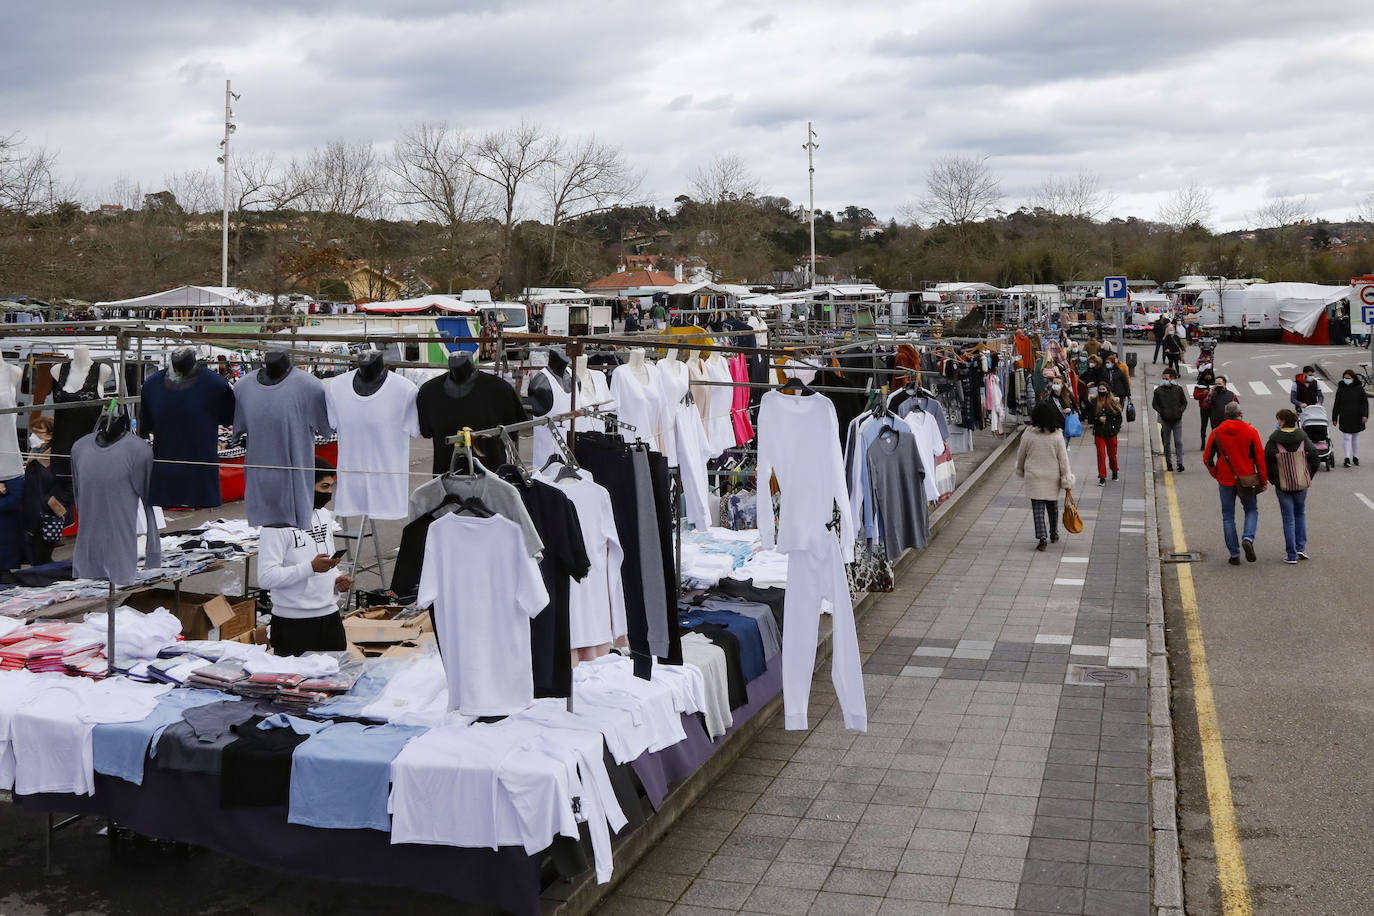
point(1073, 426)
point(1073, 522)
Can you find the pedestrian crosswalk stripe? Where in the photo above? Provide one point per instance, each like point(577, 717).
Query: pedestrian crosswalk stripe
point(1325, 388)
point(1260, 388)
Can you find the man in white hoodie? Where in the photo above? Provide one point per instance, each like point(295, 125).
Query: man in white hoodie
point(297, 566)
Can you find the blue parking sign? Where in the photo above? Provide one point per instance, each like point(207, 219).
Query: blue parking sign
point(1114, 288)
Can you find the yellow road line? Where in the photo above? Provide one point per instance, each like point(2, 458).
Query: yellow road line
point(1235, 886)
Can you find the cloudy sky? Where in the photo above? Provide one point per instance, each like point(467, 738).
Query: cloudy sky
point(1249, 99)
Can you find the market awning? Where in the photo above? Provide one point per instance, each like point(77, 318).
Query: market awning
point(422, 304)
point(193, 297)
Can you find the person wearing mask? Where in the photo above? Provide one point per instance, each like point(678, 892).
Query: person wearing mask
point(1235, 450)
point(297, 566)
point(1290, 460)
point(1304, 392)
point(1114, 377)
point(1061, 399)
point(1043, 460)
point(1202, 393)
point(1092, 345)
point(1106, 420)
point(1350, 413)
point(1160, 325)
point(43, 513)
point(1169, 404)
point(1217, 398)
point(1174, 347)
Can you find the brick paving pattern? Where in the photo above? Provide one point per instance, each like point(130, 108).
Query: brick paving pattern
point(985, 783)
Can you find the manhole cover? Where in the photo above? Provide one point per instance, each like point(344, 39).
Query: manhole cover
point(1189, 556)
point(1094, 674)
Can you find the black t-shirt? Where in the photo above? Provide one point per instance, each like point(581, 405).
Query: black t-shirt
point(490, 402)
point(565, 558)
point(255, 769)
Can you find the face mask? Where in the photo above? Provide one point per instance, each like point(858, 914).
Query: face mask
point(322, 499)
point(1347, 381)
point(1057, 387)
point(1167, 381)
point(36, 442)
point(1111, 365)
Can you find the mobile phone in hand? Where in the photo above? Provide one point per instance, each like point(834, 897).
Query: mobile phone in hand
point(339, 554)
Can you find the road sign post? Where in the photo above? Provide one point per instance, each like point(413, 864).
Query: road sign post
point(1114, 294)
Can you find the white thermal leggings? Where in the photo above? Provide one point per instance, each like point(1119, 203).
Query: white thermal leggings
point(1352, 444)
point(816, 584)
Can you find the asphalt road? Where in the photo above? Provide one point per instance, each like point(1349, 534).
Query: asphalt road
point(1291, 670)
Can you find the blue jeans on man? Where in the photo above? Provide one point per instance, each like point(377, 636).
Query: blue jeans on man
point(1172, 429)
point(1250, 505)
point(1293, 507)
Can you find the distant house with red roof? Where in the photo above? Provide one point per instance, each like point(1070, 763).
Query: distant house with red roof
point(631, 279)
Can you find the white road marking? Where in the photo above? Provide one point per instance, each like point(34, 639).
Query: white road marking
point(1260, 388)
point(1068, 581)
point(1073, 559)
point(1278, 370)
point(1265, 355)
point(1325, 388)
point(1365, 499)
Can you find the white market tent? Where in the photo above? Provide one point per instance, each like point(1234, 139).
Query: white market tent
point(1298, 305)
point(193, 297)
point(422, 304)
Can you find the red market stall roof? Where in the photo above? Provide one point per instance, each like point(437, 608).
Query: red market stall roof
point(422, 304)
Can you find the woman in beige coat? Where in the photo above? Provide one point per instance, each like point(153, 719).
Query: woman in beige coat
point(1044, 461)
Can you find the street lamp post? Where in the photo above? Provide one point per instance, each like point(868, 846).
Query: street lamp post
point(811, 146)
point(229, 128)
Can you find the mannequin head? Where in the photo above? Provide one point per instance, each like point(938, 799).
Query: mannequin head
point(371, 364)
point(81, 355)
point(276, 364)
point(183, 360)
point(558, 361)
point(461, 367)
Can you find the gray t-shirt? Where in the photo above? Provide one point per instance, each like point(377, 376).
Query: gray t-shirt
point(109, 481)
point(898, 481)
point(497, 495)
point(197, 742)
point(281, 422)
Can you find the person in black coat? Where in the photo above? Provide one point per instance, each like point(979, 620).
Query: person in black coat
point(1161, 323)
point(1105, 413)
point(1350, 413)
point(1219, 396)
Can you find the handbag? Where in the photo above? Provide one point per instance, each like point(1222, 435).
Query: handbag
point(50, 528)
point(1073, 426)
point(1073, 522)
point(1246, 484)
point(1130, 411)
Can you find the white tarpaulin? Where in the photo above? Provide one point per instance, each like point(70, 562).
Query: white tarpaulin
point(193, 297)
point(1298, 305)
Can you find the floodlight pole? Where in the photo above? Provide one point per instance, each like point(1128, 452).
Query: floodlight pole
point(224, 160)
point(811, 146)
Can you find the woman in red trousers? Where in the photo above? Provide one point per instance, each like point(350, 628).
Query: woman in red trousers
point(1105, 412)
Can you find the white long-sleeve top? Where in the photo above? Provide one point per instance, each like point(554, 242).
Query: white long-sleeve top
point(799, 443)
point(284, 557)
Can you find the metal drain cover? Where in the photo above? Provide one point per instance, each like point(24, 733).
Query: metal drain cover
point(1190, 556)
point(1098, 675)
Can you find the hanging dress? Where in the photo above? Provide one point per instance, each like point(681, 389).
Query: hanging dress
point(71, 424)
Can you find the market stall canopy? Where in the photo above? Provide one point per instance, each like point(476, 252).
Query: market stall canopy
point(688, 289)
point(193, 297)
point(1299, 306)
point(422, 304)
point(964, 288)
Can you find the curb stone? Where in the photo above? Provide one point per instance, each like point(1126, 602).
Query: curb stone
point(583, 895)
point(1167, 880)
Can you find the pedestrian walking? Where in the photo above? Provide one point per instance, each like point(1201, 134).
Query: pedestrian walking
point(1043, 460)
point(1106, 420)
point(659, 314)
point(1061, 399)
point(1350, 413)
point(1234, 457)
point(1174, 347)
point(1290, 459)
point(1160, 326)
point(1218, 396)
point(1304, 392)
point(1113, 375)
point(1092, 345)
point(1169, 404)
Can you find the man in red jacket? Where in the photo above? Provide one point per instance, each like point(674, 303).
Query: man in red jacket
point(1235, 450)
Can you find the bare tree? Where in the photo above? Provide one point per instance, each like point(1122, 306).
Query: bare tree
point(196, 190)
point(961, 190)
point(346, 180)
point(583, 177)
point(429, 171)
point(1079, 196)
point(724, 179)
point(27, 180)
point(1365, 211)
point(1282, 209)
point(1190, 205)
point(509, 159)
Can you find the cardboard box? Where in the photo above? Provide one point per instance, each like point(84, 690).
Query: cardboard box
point(423, 620)
point(254, 637)
point(202, 616)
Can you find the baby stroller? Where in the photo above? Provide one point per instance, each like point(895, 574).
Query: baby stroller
point(1206, 352)
point(1315, 422)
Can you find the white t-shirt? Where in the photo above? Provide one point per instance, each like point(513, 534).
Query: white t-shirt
point(640, 404)
point(374, 445)
point(484, 587)
point(799, 443)
point(596, 605)
point(11, 462)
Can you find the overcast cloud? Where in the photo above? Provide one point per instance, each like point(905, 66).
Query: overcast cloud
point(1249, 99)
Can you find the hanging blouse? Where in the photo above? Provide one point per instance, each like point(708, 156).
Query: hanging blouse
point(639, 403)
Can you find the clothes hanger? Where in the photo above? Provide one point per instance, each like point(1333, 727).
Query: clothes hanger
point(795, 385)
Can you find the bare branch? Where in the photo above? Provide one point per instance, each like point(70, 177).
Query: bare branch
point(726, 178)
point(961, 189)
point(195, 190)
point(429, 171)
point(1079, 196)
point(346, 180)
point(1190, 205)
point(508, 159)
point(1365, 213)
point(585, 176)
point(1282, 209)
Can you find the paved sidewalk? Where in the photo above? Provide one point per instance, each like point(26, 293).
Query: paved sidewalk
point(985, 783)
